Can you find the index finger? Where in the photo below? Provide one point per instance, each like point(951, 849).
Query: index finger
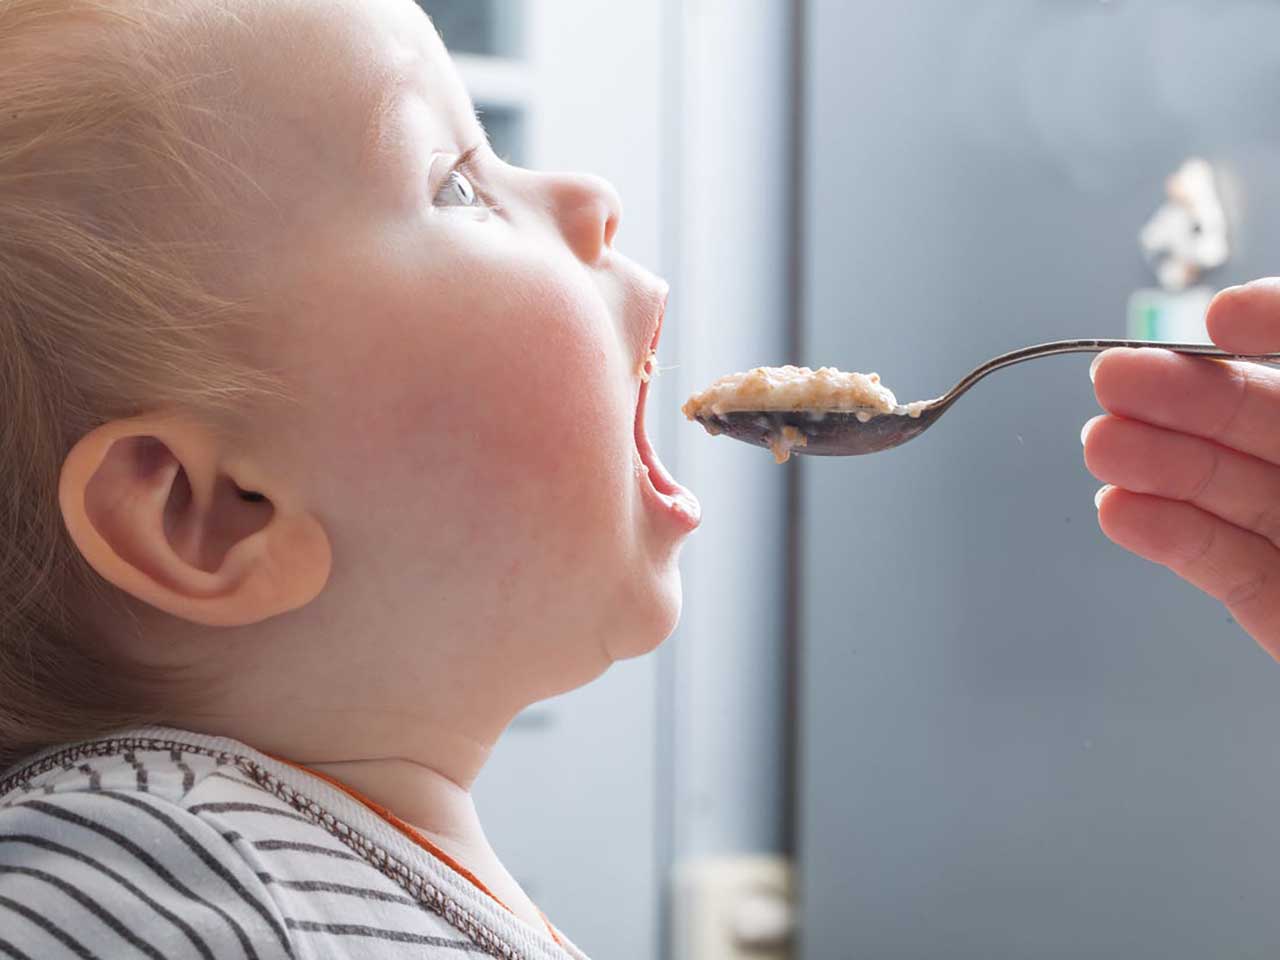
point(1234, 404)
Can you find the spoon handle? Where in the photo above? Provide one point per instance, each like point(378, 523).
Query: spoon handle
point(1090, 346)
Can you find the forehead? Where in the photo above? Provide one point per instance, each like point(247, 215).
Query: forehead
point(413, 90)
point(418, 101)
point(349, 86)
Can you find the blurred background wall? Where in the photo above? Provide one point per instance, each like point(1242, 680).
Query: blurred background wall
point(1016, 739)
point(923, 678)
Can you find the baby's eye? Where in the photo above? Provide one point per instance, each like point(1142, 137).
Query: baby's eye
point(456, 192)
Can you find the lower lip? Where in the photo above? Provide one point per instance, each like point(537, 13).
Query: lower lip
point(674, 500)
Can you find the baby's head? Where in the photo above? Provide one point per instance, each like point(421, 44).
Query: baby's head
point(320, 420)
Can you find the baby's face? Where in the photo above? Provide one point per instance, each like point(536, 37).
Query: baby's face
point(468, 347)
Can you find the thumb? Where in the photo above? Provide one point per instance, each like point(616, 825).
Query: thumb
point(1246, 319)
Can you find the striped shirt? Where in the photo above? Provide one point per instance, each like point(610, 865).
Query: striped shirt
point(169, 845)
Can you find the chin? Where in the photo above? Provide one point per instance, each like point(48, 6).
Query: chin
point(651, 620)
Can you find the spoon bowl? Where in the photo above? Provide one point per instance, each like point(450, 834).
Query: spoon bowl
point(838, 433)
point(825, 434)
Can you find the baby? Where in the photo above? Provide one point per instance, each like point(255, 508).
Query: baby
point(323, 456)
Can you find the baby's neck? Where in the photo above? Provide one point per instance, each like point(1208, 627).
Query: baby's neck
point(419, 766)
point(442, 811)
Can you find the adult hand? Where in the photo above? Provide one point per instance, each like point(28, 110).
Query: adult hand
point(1190, 450)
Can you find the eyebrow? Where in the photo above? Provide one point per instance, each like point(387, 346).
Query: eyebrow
point(376, 127)
point(467, 156)
point(375, 134)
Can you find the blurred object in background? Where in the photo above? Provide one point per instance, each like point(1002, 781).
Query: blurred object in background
point(731, 210)
point(491, 28)
point(487, 39)
point(1188, 234)
point(1177, 316)
point(736, 908)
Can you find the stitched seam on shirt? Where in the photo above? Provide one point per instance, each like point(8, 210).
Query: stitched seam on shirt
point(109, 747)
point(417, 886)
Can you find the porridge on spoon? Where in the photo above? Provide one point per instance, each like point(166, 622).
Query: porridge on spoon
point(796, 389)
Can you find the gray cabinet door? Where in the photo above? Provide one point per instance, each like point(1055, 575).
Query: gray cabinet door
point(1017, 740)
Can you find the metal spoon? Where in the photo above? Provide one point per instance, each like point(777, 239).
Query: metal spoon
point(842, 434)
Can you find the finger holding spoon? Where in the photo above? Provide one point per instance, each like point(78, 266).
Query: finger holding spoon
point(1191, 452)
point(1235, 404)
point(1239, 489)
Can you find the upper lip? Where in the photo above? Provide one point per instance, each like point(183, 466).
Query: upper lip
point(661, 295)
point(657, 297)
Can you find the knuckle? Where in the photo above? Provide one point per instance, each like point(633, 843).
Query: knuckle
point(1206, 478)
point(1239, 375)
point(1198, 551)
point(1249, 590)
point(1266, 523)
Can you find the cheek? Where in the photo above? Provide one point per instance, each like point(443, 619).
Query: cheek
point(502, 393)
point(530, 378)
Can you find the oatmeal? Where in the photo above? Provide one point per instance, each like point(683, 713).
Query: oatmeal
point(913, 409)
point(827, 390)
point(783, 443)
point(648, 366)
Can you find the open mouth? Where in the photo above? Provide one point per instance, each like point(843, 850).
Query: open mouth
point(671, 495)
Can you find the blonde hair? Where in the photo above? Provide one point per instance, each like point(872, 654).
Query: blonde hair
point(114, 256)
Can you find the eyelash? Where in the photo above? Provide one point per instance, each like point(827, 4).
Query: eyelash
point(465, 165)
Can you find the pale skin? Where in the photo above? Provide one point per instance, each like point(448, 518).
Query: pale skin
point(456, 520)
point(1191, 451)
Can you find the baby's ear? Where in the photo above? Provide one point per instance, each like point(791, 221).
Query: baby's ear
point(158, 509)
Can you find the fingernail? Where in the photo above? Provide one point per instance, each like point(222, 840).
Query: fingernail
point(1084, 431)
point(1102, 492)
point(1093, 367)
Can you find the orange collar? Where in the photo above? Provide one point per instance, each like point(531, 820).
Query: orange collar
point(417, 837)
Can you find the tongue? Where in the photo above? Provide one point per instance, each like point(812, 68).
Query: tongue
point(666, 485)
point(659, 476)
point(663, 482)
point(658, 472)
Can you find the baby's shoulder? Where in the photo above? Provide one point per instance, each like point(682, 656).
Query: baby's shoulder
point(103, 852)
point(147, 792)
point(168, 771)
point(142, 845)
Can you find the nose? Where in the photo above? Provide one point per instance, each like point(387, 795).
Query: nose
point(587, 209)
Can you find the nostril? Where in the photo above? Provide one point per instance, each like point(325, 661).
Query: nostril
point(588, 212)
